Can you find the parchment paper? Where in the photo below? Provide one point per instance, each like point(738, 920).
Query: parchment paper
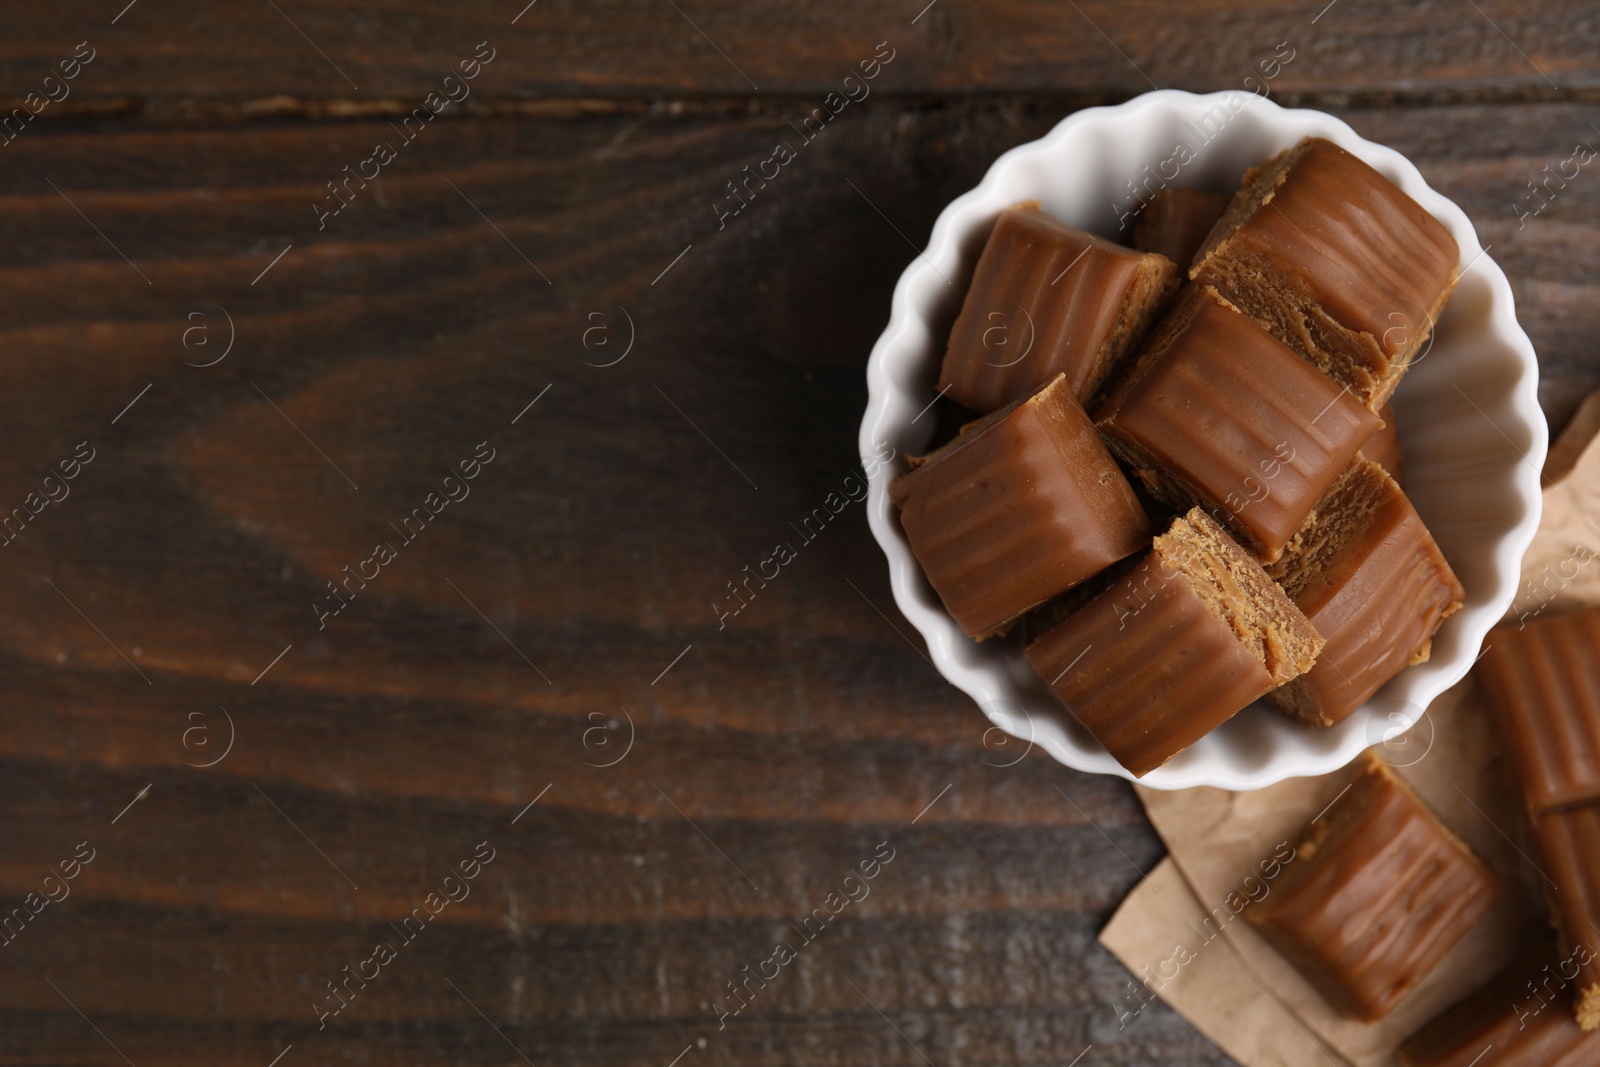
point(1187, 920)
point(1209, 991)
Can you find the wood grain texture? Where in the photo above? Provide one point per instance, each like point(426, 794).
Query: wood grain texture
point(181, 56)
point(771, 754)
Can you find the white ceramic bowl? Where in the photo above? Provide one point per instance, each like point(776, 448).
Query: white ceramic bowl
point(1469, 422)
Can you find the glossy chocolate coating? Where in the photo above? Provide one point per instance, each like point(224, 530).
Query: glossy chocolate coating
point(1047, 299)
point(1228, 415)
point(1521, 1019)
point(1148, 668)
point(1176, 221)
point(1377, 597)
point(1542, 681)
point(1377, 894)
point(1356, 245)
point(1023, 505)
point(1569, 843)
point(1383, 447)
point(1157, 660)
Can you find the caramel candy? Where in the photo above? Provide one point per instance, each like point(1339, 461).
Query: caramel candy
point(1383, 447)
point(1522, 1018)
point(1372, 581)
point(1336, 261)
point(1047, 299)
point(1569, 841)
point(1024, 504)
point(1175, 222)
point(1542, 681)
point(1216, 412)
point(1193, 633)
point(1377, 894)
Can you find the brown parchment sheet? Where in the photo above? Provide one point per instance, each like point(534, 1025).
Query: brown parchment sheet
point(1182, 931)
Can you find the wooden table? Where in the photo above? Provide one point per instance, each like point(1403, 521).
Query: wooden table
point(538, 277)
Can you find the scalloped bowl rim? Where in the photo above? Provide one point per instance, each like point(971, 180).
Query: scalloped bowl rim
point(997, 683)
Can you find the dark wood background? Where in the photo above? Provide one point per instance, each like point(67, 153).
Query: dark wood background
point(521, 641)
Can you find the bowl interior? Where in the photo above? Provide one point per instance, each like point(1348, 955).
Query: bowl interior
point(1468, 416)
